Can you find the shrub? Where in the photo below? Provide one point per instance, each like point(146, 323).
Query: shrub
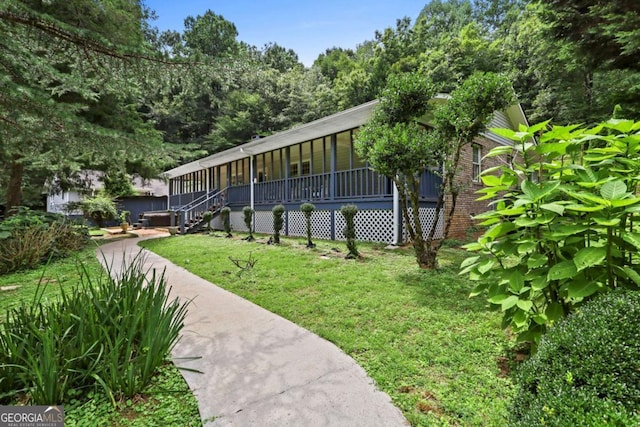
point(206, 219)
point(278, 222)
point(248, 219)
point(349, 212)
point(107, 332)
point(99, 209)
point(566, 223)
point(225, 213)
point(30, 237)
point(586, 371)
point(307, 209)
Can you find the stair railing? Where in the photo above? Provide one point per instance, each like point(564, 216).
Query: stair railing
point(192, 212)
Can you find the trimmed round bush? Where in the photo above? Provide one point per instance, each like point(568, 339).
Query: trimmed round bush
point(586, 371)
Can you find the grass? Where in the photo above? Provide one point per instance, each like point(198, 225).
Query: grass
point(417, 333)
point(166, 402)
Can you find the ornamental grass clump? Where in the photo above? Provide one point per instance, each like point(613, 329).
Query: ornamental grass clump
point(247, 213)
point(112, 331)
point(278, 222)
point(307, 209)
point(225, 214)
point(349, 213)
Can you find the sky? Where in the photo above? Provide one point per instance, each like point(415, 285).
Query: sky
point(309, 28)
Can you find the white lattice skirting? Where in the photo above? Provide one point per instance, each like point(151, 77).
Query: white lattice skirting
point(374, 225)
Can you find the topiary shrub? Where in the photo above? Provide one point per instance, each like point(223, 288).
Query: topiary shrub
point(206, 219)
point(278, 222)
point(307, 209)
point(586, 371)
point(248, 219)
point(349, 212)
point(225, 213)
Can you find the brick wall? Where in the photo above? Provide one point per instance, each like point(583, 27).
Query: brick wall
point(467, 206)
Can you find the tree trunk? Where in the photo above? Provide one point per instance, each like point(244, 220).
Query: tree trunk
point(14, 190)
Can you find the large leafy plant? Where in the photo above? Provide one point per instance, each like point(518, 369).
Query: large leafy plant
point(565, 224)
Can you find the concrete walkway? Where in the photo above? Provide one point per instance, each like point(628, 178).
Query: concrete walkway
point(259, 369)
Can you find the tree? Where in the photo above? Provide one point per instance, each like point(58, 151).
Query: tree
point(280, 58)
point(397, 146)
point(604, 30)
point(61, 71)
point(211, 35)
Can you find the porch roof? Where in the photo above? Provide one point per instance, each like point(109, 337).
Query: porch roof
point(354, 117)
point(338, 122)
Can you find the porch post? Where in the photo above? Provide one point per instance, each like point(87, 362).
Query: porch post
point(286, 174)
point(252, 181)
point(332, 161)
point(397, 217)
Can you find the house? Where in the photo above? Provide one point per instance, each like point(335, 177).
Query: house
point(151, 195)
point(316, 163)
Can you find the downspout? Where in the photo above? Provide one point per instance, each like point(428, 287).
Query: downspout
point(397, 217)
point(252, 182)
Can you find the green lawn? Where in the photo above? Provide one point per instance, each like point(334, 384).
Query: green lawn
point(167, 402)
point(417, 333)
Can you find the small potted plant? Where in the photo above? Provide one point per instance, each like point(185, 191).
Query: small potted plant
point(124, 220)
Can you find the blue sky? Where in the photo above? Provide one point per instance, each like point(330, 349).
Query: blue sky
point(309, 28)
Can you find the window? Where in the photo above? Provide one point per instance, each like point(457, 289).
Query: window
point(306, 167)
point(476, 162)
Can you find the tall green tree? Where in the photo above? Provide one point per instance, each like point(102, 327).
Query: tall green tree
point(210, 34)
point(604, 30)
point(68, 75)
point(397, 146)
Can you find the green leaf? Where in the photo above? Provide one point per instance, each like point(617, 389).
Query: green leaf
point(553, 207)
point(524, 221)
point(526, 247)
point(539, 283)
point(554, 311)
point(632, 274)
point(540, 318)
point(632, 238)
point(480, 288)
point(501, 150)
point(536, 261)
point(499, 230)
point(486, 266)
point(619, 203)
point(520, 319)
point(497, 299)
point(579, 289)
point(605, 222)
point(562, 270)
point(584, 208)
point(504, 132)
point(613, 190)
point(529, 189)
point(524, 305)
point(589, 257)
point(509, 302)
point(469, 261)
point(516, 281)
point(491, 180)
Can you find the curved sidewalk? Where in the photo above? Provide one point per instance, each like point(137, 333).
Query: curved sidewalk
point(259, 369)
